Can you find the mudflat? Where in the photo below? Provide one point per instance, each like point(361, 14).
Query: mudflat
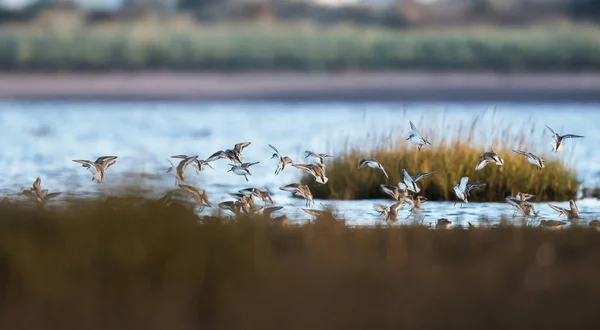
point(353, 86)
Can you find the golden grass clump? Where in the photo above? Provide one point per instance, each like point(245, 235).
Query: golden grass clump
point(90, 266)
point(451, 157)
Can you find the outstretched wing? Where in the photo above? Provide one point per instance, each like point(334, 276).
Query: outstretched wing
point(240, 146)
point(389, 190)
point(526, 154)
point(557, 209)
point(380, 208)
point(52, 195)
point(277, 151)
point(383, 170)
point(414, 128)
point(573, 206)
point(398, 205)
point(250, 164)
point(362, 163)
point(421, 176)
point(572, 136)
point(473, 186)
point(551, 130)
point(85, 163)
point(292, 187)
point(463, 183)
point(268, 210)
point(217, 155)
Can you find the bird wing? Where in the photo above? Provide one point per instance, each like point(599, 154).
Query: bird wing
point(482, 163)
point(463, 184)
point(421, 176)
point(109, 163)
point(85, 163)
point(217, 155)
point(514, 202)
point(383, 170)
point(105, 158)
point(277, 151)
point(292, 187)
point(316, 213)
point(389, 190)
point(180, 156)
point(240, 146)
point(37, 184)
point(406, 175)
point(402, 186)
point(228, 205)
point(52, 195)
point(380, 208)
point(190, 189)
point(573, 206)
point(557, 208)
point(551, 130)
point(309, 153)
point(250, 164)
point(473, 186)
point(572, 136)
point(268, 210)
point(526, 154)
point(398, 205)
point(362, 163)
point(414, 128)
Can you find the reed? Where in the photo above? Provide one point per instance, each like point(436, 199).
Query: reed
point(451, 157)
point(89, 266)
point(302, 47)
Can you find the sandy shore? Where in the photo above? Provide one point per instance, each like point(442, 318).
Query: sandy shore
point(387, 86)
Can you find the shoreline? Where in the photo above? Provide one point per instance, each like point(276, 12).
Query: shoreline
point(267, 86)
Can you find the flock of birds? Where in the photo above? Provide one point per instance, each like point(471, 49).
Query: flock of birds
point(245, 199)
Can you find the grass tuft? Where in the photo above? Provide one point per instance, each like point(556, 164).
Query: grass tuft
point(451, 157)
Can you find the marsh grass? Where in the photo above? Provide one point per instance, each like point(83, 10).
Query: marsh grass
point(88, 266)
point(298, 46)
point(451, 157)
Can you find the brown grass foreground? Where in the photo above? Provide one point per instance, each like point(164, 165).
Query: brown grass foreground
point(88, 266)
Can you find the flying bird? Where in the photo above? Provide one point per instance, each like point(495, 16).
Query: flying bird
point(557, 139)
point(98, 167)
point(373, 164)
point(463, 188)
point(532, 159)
point(489, 157)
point(416, 138)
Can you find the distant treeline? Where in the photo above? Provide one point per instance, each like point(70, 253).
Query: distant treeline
point(396, 14)
point(301, 47)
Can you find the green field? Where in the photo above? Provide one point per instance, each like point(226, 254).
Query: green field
point(89, 266)
point(299, 47)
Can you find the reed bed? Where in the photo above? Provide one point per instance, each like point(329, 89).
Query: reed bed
point(91, 266)
point(451, 157)
point(303, 47)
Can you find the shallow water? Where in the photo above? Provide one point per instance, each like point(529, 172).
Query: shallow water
point(42, 138)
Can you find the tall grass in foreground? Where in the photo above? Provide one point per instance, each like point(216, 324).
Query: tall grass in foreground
point(89, 266)
point(304, 47)
point(451, 157)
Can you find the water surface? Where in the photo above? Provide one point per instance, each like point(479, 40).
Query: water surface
point(42, 138)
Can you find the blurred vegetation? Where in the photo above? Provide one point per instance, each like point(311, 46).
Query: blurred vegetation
point(67, 44)
point(451, 157)
point(87, 266)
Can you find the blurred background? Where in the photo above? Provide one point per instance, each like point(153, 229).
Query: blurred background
point(305, 35)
